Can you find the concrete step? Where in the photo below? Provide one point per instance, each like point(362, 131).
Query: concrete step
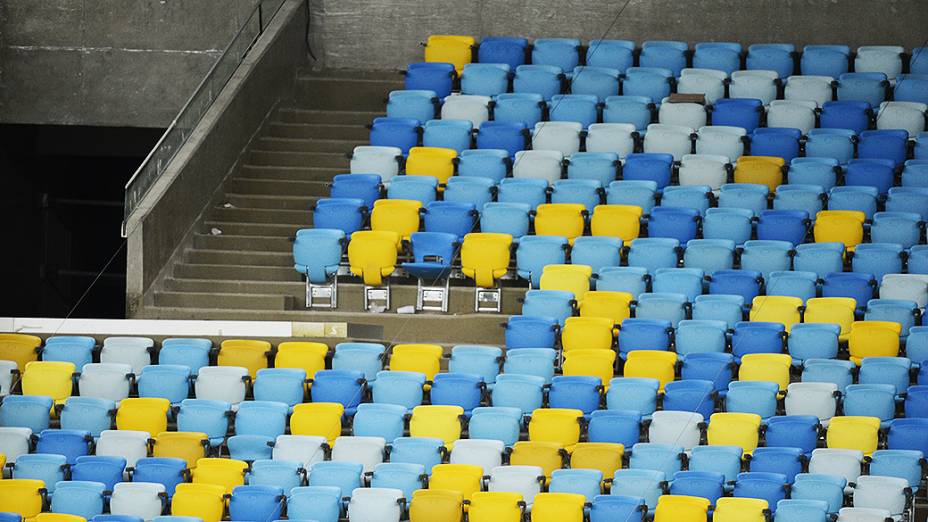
point(346, 91)
point(302, 218)
point(334, 131)
point(263, 157)
point(304, 115)
point(277, 187)
point(324, 174)
point(238, 257)
point(238, 242)
point(295, 202)
point(253, 229)
point(308, 145)
point(236, 272)
point(223, 301)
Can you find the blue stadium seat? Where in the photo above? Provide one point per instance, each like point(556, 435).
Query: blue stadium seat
point(522, 391)
point(820, 487)
point(597, 252)
point(664, 306)
point(345, 214)
point(799, 284)
point(418, 450)
point(458, 389)
point(418, 188)
point(825, 60)
point(402, 476)
point(280, 473)
point(757, 337)
point(686, 281)
point(402, 133)
point(654, 83)
point(821, 258)
point(509, 136)
point(586, 192)
point(757, 397)
point(639, 193)
point(780, 142)
point(485, 79)
point(250, 447)
point(400, 388)
point(470, 190)
point(877, 259)
point(907, 434)
point(87, 414)
point(719, 307)
point(505, 218)
point(528, 191)
point(596, 166)
point(583, 108)
point(70, 443)
point(792, 431)
point(420, 105)
point(834, 143)
point(38, 466)
point(448, 134)
point(106, 470)
point(870, 400)
point(530, 332)
point(718, 368)
point(665, 54)
point(852, 115)
point(739, 112)
point(193, 353)
point(256, 502)
point(688, 196)
point(828, 370)
point(345, 387)
point(560, 52)
point(900, 228)
point(806, 198)
point(900, 311)
point(615, 426)
point(285, 385)
point(544, 80)
point(601, 82)
point(503, 49)
point(482, 164)
point(766, 256)
point(79, 498)
point(536, 252)
point(578, 392)
point(868, 87)
point(908, 199)
point(633, 394)
point(631, 279)
point(586, 482)
point(667, 458)
point(744, 196)
point(916, 347)
point(68, 348)
point(700, 336)
point(904, 464)
point(25, 411)
point(915, 171)
point(771, 487)
point(877, 173)
point(526, 108)
point(694, 395)
point(317, 253)
point(918, 259)
point(731, 224)
point(772, 56)
point(205, 416)
point(886, 370)
point(615, 54)
point(345, 475)
point(554, 304)
point(743, 283)
point(859, 286)
point(636, 110)
point(721, 56)
point(379, 420)
point(785, 461)
point(822, 172)
point(717, 459)
point(709, 255)
point(675, 223)
point(704, 484)
point(641, 484)
point(531, 361)
point(264, 418)
point(448, 217)
point(433, 254)
point(783, 225)
point(321, 503)
point(644, 334)
point(476, 359)
point(431, 76)
point(887, 144)
point(912, 87)
point(654, 252)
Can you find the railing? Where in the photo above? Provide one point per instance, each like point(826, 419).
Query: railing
point(179, 131)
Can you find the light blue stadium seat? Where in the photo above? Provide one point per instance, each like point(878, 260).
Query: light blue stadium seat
point(877, 259)
point(686, 281)
point(915, 171)
point(616, 54)
point(832, 143)
point(485, 79)
point(633, 394)
point(476, 359)
point(256, 502)
point(631, 279)
point(505, 218)
point(813, 341)
point(717, 459)
point(193, 353)
point(721, 56)
point(757, 397)
point(418, 105)
point(448, 134)
point(250, 447)
point(528, 191)
point(597, 252)
point(482, 163)
point(597, 166)
point(719, 307)
point(345, 475)
point(870, 400)
point(38, 466)
point(904, 464)
point(25, 411)
point(748, 196)
point(68, 348)
point(639, 483)
point(582, 108)
point(732, 224)
point(772, 56)
point(396, 387)
point(821, 258)
point(531, 361)
point(320, 503)
point(640, 193)
point(916, 347)
point(526, 108)
point(586, 192)
point(90, 414)
point(542, 79)
point(904, 229)
point(586, 482)
point(868, 87)
point(803, 198)
point(80, 498)
point(664, 53)
point(615, 426)
point(709, 255)
point(688, 196)
point(555, 304)
point(664, 306)
point(497, 422)
point(651, 82)
point(419, 188)
point(473, 191)
point(536, 252)
point(825, 60)
point(560, 52)
point(530, 332)
point(402, 476)
point(265, 418)
point(364, 357)
point(792, 283)
point(601, 82)
point(886, 370)
point(766, 256)
point(700, 335)
point(821, 487)
point(317, 253)
point(379, 420)
point(828, 370)
point(908, 200)
point(280, 384)
point(418, 450)
point(667, 458)
point(205, 416)
point(636, 110)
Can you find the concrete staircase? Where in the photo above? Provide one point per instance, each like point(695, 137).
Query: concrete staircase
point(239, 263)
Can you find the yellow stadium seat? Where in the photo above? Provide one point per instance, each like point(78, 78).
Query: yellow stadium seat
point(558, 507)
point(602, 303)
point(431, 161)
point(496, 506)
point(466, 479)
point(588, 333)
point(853, 433)
point(769, 367)
point(604, 456)
point(421, 358)
point(834, 310)
point(453, 49)
point(621, 221)
point(188, 445)
point(485, 257)
point(560, 219)
point(396, 215)
point(2, 461)
point(734, 509)
point(205, 501)
point(372, 255)
point(245, 353)
point(593, 363)
point(304, 356)
point(776, 309)
point(839, 226)
point(681, 508)
point(569, 278)
point(322, 419)
point(559, 425)
point(58, 517)
point(49, 378)
point(19, 348)
point(22, 496)
point(440, 422)
point(760, 170)
point(653, 364)
point(143, 414)
point(734, 429)
point(873, 339)
point(548, 456)
point(429, 505)
point(227, 473)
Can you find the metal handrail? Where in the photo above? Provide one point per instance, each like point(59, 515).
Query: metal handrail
point(206, 92)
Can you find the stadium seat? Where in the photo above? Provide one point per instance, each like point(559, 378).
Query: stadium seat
point(481, 163)
point(432, 76)
point(725, 460)
point(792, 431)
point(790, 116)
point(507, 218)
point(721, 56)
point(901, 115)
point(873, 339)
point(754, 84)
point(672, 140)
point(651, 364)
point(38, 466)
point(502, 49)
point(580, 108)
point(681, 507)
point(389, 134)
point(684, 114)
point(735, 429)
point(129, 445)
point(485, 79)
point(560, 136)
point(770, 488)
point(633, 394)
point(752, 397)
point(835, 143)
point(771, 56)
point(631, 110)
point(665, 458)
point(457, 50)
point(543, 80)
point(706, 81)
point(584, 192)
point(651, 82)
point(568, 278)
point(615, 426)
point(741, 510)
point(870, 400)
point(644, 484)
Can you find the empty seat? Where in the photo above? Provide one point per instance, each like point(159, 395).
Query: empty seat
point(541, 79)
point(651, 82)
point(669, 139)
point(706, 81)
point(580, 108)
point(735, 429)
point(453, 49)
point(506, 218)
point(728, 224)
point(502, 49)
point(908, 116)
point(502, 135)
point(771, 56)
point(684, 114)
point(560, 136)
point(485, 79)
point(721, 56)
point(791, 114)
point(836, 143)
point(636, 111)
point(756, 84)
point(766, 255)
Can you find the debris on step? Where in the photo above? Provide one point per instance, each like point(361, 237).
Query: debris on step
point(228, 205)
point(215, 231)
point(410, 309)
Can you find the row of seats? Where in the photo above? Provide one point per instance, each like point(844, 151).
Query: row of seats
point(567, 53)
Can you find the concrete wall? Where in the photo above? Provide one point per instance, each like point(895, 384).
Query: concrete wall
point(380, 34)
point(108, 62)
point(175, 202)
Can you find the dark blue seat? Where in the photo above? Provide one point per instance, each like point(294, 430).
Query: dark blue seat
point(783, 225)
point(258, 502)
point(559, 52)
point(863, 86)
point(649, 166)
point(366, 187)
point(104, 469)
point(644, 334)
point(653, 83)
point(772, 57)
point(433, 253)
point(665, 54)
point(746, 283)
point(695, 395)
point(402, 133)
point(859, 286)
point(449, 217)
point(825, 60)
point(577, 392)
point(721, 56)
point(616, 426)
point(345, 387)
point(852, 115)
point(781, 142)
point(70, 443)
point(738, 112)
point(757, 337)
point(530, 332)
point(916, 401)
point(502, 49)
point(879, 173)
point(719, 368)
point(345, 214)
point(757, 484)
point(608, 508)
point(889, 144)
point(509, 136)
point(786, 461)
point(161, 470)
point(676, 223)
point(705, 484)
point(431, 76)
point(793, 431)
point(908, 434)
point(458, 389)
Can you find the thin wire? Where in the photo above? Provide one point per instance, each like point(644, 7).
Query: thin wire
point(83, 296)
